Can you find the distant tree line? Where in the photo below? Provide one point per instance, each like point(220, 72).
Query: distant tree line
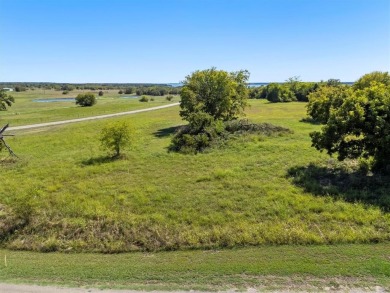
point(291, 90)
point(145, 88)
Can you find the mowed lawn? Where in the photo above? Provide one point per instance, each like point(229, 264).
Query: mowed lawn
point(64, 194)
point(315, 268)
point(26, 110)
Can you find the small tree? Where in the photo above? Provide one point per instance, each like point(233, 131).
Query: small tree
point(101, 93)
point(115, 136)
point(86, 100)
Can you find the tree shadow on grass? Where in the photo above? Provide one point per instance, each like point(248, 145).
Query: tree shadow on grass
point(164, 132)
point(100, 160)
point(310, 120)
point(340, 183)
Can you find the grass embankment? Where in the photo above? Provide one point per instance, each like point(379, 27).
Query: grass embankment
point(64, 194)
point(312, 268)
point(26, 111)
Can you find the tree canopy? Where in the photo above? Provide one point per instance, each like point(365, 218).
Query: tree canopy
point(116, 136)
point(218, 93)
point(357, 120)
point(367, 79)
point(5, 100)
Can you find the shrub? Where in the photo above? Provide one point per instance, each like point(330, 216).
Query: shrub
point(116, 136)
point(20, 88)
point(257, 92)
point(129, 91)
point(204, 132)
point(65, 92)
point(86, 100)
point(120, 92)
point(169, 98)
point(144, 99)
point(101, 93)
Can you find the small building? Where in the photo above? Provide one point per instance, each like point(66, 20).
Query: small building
point(8, 89)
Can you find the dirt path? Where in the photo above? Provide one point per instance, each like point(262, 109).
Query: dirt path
point(8, 288)
point(89, 118)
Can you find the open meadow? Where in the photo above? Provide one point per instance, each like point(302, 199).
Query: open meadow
point(27, 110)
point(66, 194)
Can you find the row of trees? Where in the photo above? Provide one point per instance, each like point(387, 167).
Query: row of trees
point(157, 91)
point(291, 90)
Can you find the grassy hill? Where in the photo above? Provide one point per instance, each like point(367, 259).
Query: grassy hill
point(65, 194)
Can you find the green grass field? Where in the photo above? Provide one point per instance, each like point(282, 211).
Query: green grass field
point(296, 268)
point(275, 201)
point(26, 111)
point(64, 194)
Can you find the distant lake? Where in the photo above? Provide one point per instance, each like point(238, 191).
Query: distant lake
point(250, 84)
point(54, 100)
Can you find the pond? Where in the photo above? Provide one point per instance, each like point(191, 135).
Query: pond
point(51, 100)
point(130, 97)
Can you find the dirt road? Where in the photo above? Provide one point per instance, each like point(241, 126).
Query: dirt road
point(8, 288)
point(89, 118)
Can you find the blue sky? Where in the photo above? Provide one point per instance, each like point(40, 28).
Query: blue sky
point(163, 41)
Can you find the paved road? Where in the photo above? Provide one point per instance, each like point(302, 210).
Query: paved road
point(89, 118)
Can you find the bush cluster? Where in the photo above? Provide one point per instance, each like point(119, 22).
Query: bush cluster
point(86, 100)
point(144, 99)
point(204, 132)
point(292, 90)
point(157, 90)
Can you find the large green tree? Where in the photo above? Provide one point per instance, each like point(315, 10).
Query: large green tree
point(218, 93)
point(357, 122)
